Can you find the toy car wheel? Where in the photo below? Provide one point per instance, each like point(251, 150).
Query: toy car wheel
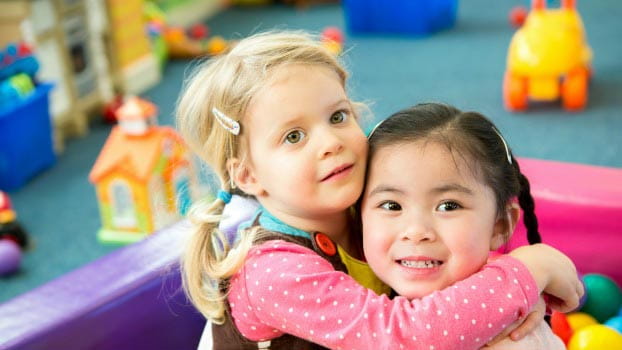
point(14, 231)
point(574, 90)
point(514, 92)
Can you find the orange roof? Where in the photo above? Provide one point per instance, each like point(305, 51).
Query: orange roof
point(136, 108)
point(135, 154)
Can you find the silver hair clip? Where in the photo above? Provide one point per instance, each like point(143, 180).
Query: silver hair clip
point(229, 124)
point(507, 149)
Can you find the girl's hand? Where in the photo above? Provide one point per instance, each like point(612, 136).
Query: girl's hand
point(554, 273)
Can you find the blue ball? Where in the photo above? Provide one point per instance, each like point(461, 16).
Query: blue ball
point(10, 257)
point(615, 323)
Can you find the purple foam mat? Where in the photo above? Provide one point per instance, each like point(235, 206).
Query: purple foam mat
point(129, 299)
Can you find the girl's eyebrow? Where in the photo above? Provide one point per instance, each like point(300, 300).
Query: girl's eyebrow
point(338, 103)
point(385, 188)
point(452, 187)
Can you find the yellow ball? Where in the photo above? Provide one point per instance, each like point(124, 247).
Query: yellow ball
point(578, 320)
point(596, 337)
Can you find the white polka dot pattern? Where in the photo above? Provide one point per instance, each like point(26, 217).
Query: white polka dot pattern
point(286, 288)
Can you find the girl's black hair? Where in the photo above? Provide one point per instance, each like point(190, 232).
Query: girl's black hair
point(471, 136)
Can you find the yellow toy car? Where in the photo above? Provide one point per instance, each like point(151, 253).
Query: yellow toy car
point(548, 58)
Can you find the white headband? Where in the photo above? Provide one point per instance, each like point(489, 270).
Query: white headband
point(507, 149)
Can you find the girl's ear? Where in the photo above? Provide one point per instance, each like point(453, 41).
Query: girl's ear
point(505, 225)
point(243, 176)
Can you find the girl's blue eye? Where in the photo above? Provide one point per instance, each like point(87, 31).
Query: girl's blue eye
point(391, 206)
point(339, 117)
point(448, 206)
point(294, 136)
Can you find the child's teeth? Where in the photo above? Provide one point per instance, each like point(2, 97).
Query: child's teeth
point(427, 264)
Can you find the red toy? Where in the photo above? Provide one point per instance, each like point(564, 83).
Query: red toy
point(332, 34)
point(518, 16)
point(9, 227)
point(561, 327)
point(198, 31)
point(110, 109)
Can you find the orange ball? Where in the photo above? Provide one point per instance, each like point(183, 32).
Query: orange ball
point(561, 327)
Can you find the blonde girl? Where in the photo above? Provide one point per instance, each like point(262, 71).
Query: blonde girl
point(273, 121)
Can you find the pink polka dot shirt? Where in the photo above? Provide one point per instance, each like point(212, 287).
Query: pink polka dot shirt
point(286, 288)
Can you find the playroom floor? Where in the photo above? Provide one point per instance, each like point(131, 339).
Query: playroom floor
point(463, 66)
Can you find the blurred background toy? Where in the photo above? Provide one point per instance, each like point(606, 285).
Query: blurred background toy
point(517, 16)
point(415, 18)
point(332, 39)
point(9, 227)
point(550, 47)
point(143, 176)
point(597, 325)
point(596, 337)
point(18, 68)
point(13, 238)
point(177, 42)
point(10, 257)
point(604, 297)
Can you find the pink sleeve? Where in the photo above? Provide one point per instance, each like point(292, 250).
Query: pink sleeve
point(286, 288)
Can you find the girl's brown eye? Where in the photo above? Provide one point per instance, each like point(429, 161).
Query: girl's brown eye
point(294, 136)
point(338, 117)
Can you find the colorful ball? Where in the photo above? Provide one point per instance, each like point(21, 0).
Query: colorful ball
point(578, 320)
point(560, 326)
point(596, 337)
point(615, 323)
point(10, 257)
point(604, 297)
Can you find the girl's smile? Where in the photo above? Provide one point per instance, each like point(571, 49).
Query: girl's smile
point(428, 221)
point(339, 173)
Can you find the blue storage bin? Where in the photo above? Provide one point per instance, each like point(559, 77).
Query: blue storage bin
point(411, 17)
point(25, 139)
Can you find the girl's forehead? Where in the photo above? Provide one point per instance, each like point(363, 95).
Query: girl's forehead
point(453, 159)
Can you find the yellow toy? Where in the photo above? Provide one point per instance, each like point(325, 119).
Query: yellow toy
point(143, 176)
point(548, 58)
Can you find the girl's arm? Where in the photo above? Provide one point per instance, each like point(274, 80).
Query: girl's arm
point(286, 288)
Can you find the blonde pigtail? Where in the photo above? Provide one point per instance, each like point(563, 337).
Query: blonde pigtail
point(209, 259)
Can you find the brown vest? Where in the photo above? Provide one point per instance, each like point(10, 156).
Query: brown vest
point(227, 336)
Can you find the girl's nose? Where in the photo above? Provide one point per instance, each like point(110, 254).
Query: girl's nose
point(417, 232)
point(330, 144)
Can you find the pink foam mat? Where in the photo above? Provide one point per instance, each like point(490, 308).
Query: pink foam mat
point(579, 208)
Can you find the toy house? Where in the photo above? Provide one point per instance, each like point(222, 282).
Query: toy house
point(143, 176)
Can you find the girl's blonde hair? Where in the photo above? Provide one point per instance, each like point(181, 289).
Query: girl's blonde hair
point(228, 83)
